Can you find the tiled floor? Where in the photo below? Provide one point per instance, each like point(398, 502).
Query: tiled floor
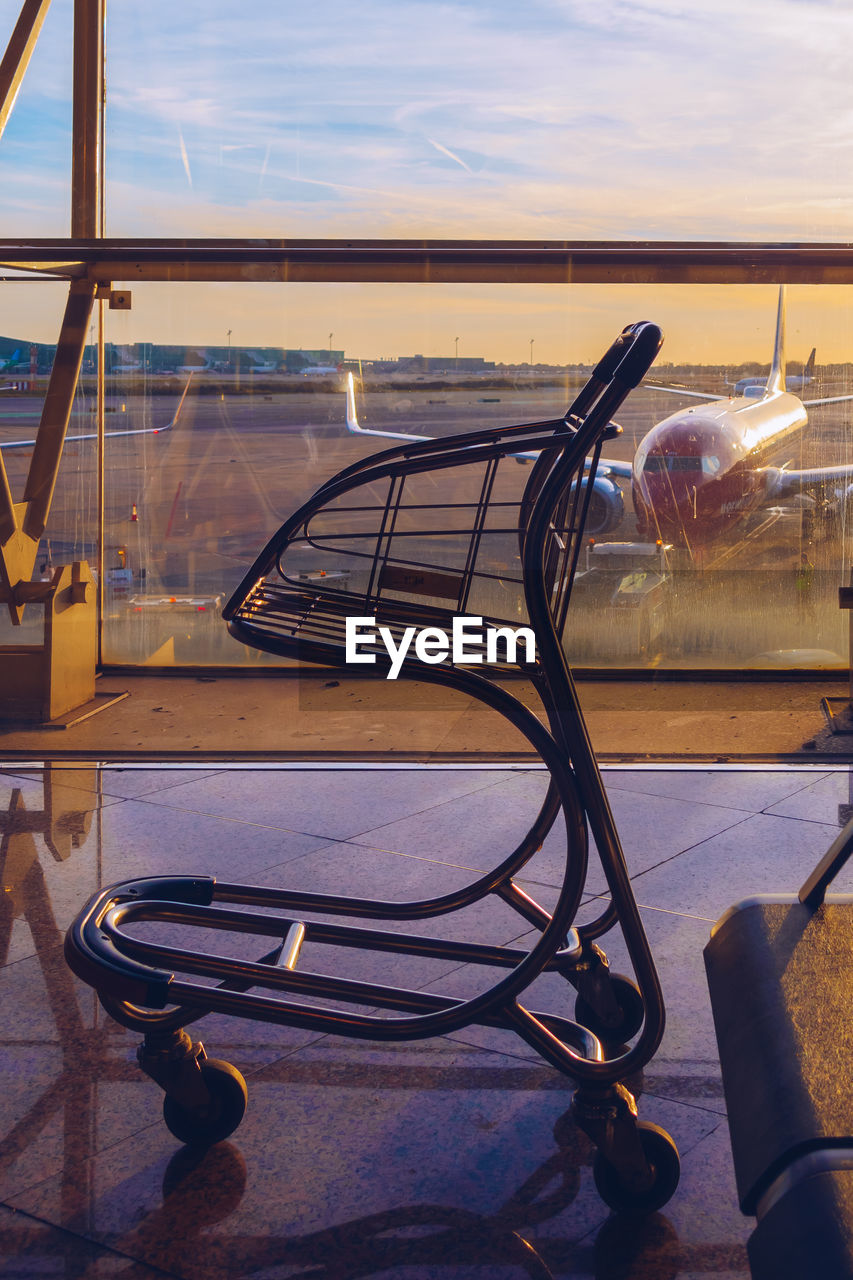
point(428, 1159)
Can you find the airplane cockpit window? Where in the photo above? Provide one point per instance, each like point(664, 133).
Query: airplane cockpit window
point(688, 463)
point(655, 462)
point(659, 462)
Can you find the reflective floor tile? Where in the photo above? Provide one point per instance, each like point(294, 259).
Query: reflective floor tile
point(68, 1074)
point(335, 804)
point(130, 784)
point(763, 854)
point(425, 1156)
point(652, 830)
point(754, 790)
point(828, 799)
point(33, 1250)
point(43, 892)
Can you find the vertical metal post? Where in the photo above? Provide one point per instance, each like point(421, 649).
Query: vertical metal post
point(844, 601)
point(87, 202)
point(102, 455)
point(100, 558)
point(86, 121)
point(842, 722)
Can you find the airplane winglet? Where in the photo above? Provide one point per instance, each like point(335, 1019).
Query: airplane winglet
point(352, 416)
point(355, 427)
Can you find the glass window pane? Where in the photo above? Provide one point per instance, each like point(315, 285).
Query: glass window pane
point(264, 423)
point(35, 150)
point(410, 118)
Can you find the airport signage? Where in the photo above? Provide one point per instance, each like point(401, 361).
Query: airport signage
point(467, 643)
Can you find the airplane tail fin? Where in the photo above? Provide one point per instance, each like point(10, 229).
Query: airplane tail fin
point(808, 367)
point(776, 377)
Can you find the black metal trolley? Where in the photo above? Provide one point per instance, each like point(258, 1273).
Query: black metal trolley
point(413, 537)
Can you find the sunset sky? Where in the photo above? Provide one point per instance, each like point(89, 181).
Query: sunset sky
point(567, 119)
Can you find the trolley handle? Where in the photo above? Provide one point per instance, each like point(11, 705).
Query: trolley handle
point(91, 953)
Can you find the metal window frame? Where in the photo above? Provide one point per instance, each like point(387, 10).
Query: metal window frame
point(286, 261)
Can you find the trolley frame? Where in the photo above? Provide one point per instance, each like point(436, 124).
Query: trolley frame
point(418, 563)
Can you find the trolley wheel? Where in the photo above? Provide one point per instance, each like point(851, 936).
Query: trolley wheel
point(662, 1155)
point(217, 1119)
point(631, 1008)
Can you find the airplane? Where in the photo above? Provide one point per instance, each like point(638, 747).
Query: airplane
point(703, 470)
point(8, 364)
point(93, 435)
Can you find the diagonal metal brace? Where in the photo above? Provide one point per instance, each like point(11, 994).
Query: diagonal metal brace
point(22, 524)
point(18, 52)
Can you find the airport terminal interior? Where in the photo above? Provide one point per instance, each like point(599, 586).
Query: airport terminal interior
point(241, 259)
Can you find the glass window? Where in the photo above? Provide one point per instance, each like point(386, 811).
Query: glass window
point(411, 118)
point(226, 409)
point(35, 150)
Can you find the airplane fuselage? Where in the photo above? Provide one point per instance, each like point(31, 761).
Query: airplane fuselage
point(699, 471)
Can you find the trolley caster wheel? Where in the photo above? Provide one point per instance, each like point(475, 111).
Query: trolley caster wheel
point(662, 1154)
point(217, 1120)
point(632, 1011)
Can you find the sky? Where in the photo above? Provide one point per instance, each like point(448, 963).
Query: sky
point(552, 119)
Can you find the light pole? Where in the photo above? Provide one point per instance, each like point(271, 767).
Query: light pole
point(229, 349)
point(331, 335)
point(456, 340)
point(531, 353)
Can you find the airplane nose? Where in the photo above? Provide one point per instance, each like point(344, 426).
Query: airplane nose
point(673, 502)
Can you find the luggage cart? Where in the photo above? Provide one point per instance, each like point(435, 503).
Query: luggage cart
point(416, 536)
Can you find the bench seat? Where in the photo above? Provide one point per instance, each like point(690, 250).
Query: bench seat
point(780, 975)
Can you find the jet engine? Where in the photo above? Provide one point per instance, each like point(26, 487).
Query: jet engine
point(606, 508)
